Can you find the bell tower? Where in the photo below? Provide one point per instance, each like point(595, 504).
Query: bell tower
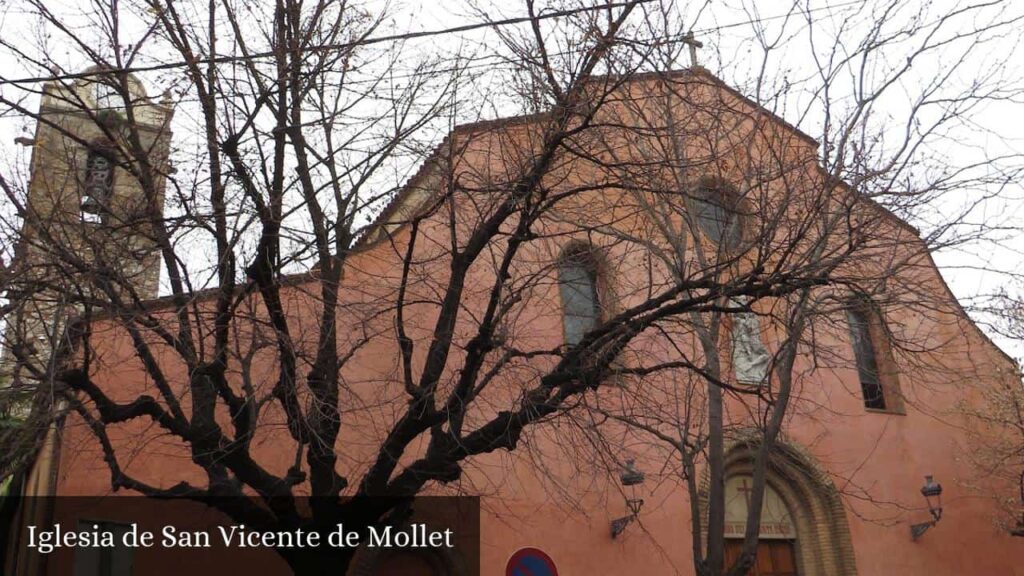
point(89, 236)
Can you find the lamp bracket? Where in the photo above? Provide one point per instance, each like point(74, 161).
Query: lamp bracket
point(619, 524)
point(918, 530)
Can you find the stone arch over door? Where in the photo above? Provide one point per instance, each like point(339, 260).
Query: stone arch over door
point(823, 545)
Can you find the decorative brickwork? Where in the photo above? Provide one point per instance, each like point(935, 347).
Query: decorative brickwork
point(823, 543)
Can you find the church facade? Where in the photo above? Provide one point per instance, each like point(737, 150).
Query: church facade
point(878, 392)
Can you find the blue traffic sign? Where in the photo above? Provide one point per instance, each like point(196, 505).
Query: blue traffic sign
point(530, 562)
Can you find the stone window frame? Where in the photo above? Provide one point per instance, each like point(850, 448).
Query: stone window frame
point(593, 262)
point(99, 148)
point(107, 94)
point(716, 191)
point(879, 341)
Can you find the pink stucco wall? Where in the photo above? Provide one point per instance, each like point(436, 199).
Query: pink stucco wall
point(551, 492)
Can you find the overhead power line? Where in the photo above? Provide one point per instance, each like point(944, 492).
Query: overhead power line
point(412, 35)
point(323, 47)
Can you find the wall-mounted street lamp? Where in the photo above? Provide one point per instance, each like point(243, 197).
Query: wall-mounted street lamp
point(630, 478)
point(932, 492)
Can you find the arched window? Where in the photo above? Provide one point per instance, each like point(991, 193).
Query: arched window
point(873, 356)
point(99, 184)
point(107, 95)
point(715, 207)
point(577, 281)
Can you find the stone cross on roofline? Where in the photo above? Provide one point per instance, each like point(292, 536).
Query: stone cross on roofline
point(690, 40)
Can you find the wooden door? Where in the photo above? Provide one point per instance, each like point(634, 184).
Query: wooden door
point(774, 557)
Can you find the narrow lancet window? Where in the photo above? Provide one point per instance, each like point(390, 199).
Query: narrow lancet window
point(577, 279)
point(99, 183)
point(860, 317)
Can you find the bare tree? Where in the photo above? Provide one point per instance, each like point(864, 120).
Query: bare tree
point(293, 115)
point(997, 427)
point(294, 125)
point(867, 262)
point(652, 211)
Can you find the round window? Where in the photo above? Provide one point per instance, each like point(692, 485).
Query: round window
point(715, 209)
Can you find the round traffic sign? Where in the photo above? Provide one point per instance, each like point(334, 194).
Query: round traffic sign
point(530, 562)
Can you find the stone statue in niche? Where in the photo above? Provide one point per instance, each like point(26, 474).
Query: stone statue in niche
point(750, 358)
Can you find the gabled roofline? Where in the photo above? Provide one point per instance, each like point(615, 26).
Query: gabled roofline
point(369, 236)
point(700, 71)
point(367, 240)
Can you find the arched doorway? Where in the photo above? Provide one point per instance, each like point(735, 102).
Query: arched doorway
point(818, 538)
point(776, 546)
